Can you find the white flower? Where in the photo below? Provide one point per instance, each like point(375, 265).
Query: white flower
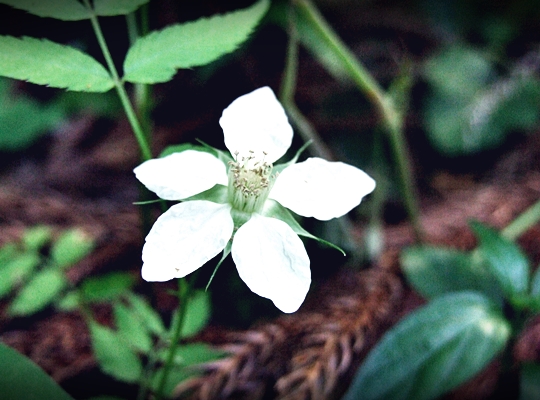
point(269, 255)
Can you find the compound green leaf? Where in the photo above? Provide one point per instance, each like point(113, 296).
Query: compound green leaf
point(131, 328)
point(156, 57)
point(71, 247)
point(43, 62)
point(113, 355)
point(20, 379)
point(433, 350)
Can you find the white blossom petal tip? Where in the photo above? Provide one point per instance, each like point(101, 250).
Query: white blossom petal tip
point(321, 189)
point(257, 122)
point(184, 238)
point(272, 261)
point(181, 175)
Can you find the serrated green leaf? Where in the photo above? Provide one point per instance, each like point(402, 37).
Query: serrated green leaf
point(21, 379)
point(36, 237)
point(434, 271)
point(106, 8)
point(107, 287)
point(71, 247)
point(43, 288)
point(275, 210)
point(131, 329)
point(73, 10)
point(43, 62)
point(15, 271)
point(433, 350)
point(505, 260)
point(113, 355)
point(148, 315)
point(156, 57)
point(66, 10)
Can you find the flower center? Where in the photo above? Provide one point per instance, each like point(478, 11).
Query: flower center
point(250, 181)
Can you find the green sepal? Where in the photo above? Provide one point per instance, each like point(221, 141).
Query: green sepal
point(216, 194)
point(280, 167)
point(275, 210)
point(226, 252)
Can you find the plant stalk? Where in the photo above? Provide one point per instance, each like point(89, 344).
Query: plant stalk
point(391, 118)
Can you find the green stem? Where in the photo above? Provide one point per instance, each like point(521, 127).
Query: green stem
point(390, 117)
point(184, 291)
point(523, 222)
point(144, 147)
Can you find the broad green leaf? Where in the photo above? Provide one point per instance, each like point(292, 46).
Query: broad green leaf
point(529, 382)
point(131, 328)
point(505, 260)
point(15, 270)
point(43, 288)
point(116, 7)
point(148, 315)
point(107, 287)
point(44, 62)
point(67, 10)
point(433, 350)
point(113, 355)
point(70, 248)
point(36, 237)
point(156, 57)
point(275, 210)
point(21, 379)
point(434, 271)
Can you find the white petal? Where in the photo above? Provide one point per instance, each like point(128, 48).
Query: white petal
point(181, 175)
point(257, 122)
point(272, 261)
point(184, 238)
point(321, 189)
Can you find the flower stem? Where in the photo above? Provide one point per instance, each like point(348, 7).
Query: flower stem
point(144, 147)
point(523, 222)
point(391, 118)
point(184, 292)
